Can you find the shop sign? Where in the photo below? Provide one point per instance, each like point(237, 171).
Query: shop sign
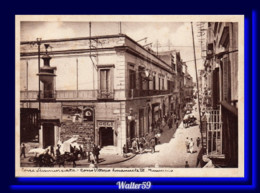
point(105, 123)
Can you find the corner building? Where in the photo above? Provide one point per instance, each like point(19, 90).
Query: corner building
point(105, 89)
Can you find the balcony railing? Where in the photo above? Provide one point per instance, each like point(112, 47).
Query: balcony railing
point(34, 95)
point(105, 94)
point(48, 95)
point(132, 93)
point(68, 95)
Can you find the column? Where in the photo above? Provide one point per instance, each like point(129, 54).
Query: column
point(41, 137)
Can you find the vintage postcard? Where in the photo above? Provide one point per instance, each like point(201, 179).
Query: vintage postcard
point(129, 95)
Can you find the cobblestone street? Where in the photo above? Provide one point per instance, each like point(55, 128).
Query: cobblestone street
point(172, 150)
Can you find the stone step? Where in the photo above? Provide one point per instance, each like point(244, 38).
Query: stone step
point(108, 150)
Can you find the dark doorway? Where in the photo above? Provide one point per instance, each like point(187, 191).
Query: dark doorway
point(106, 136)
point(141, 122)
point(48, 135)
point(132, 130)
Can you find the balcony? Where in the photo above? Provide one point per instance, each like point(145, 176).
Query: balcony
point(48, 95)
point(65, 95)
point(105, 94)
point(34, 95)
point(132, 93)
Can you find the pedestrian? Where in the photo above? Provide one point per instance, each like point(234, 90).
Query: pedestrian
point(92, 164)
point(153, 145)
point(157, 137)
point(170, 122)
point(187, 164)
point(23, 151)
point(187, 143)
point(191, 145)
point(138, 144)
point(71, 149)
point(134, 145)
point(97, 153)
point(141, 146)
point(124, 151)
point(81, 151)
point(198, 141)
point(58, 150)
point(52, 150)
point(176, 121)
point(92, 157)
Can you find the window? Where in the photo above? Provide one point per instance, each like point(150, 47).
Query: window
point(163, 84)
point(159, 84)
point(226, 80)
point(169, 85)
point(154, 83)
point(132, 79)
point(105, 84)
point(140, 79)
point(105, 79)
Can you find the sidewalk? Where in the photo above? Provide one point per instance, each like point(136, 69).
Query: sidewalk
point(104, 159)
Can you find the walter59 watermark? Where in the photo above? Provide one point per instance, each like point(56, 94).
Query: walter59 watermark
point(134, 186)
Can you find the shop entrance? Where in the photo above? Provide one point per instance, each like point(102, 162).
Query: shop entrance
point(106, 136)
point(132, 129)
point(48, 135)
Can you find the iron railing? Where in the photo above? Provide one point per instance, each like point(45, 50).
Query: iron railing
point(132, 93)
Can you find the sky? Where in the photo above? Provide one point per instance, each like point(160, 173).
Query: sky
point(176, 34)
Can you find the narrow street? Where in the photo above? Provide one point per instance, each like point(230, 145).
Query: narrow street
point(172, 150)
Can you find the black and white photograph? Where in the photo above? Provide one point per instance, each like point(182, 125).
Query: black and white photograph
point(130, 95)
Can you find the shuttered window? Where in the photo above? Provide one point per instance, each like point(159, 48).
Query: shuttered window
point(215, 88)
point(226, 80)
point(105, 80)
point(132, 79)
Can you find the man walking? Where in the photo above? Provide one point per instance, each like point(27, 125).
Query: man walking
point(134, 146)
point(191, 145)
point(124, 151)
point(97, 153)
point(187, 164)
point(23, 151)
point(170, 122)
point(198, 141)
point(187, 142)
point(153, 145)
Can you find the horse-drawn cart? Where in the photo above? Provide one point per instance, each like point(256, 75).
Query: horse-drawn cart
point(189, 120)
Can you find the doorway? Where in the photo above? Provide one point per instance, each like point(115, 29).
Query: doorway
point(48, 135)
point(132, 130)
point(106, 135)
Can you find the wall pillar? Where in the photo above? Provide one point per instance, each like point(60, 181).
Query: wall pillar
point(41, 137)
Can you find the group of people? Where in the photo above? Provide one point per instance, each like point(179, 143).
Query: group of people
point(190, 144)
point(172, 120)
point(140, 144)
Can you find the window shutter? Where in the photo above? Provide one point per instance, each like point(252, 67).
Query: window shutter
point(226, 80)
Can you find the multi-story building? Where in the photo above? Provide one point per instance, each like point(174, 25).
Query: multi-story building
point(188, 85)
point(105, 90)
point(173, 58)
point(222, 70)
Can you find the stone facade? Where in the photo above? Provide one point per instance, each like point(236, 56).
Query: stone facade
point(99, 77)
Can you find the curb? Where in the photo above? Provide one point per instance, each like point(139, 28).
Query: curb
point(111, 163)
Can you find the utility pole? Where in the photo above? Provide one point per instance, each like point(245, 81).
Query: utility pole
point(157, 45)
point(77, 68)
point(39, 83)
point(196, 77)
point(120, 28)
